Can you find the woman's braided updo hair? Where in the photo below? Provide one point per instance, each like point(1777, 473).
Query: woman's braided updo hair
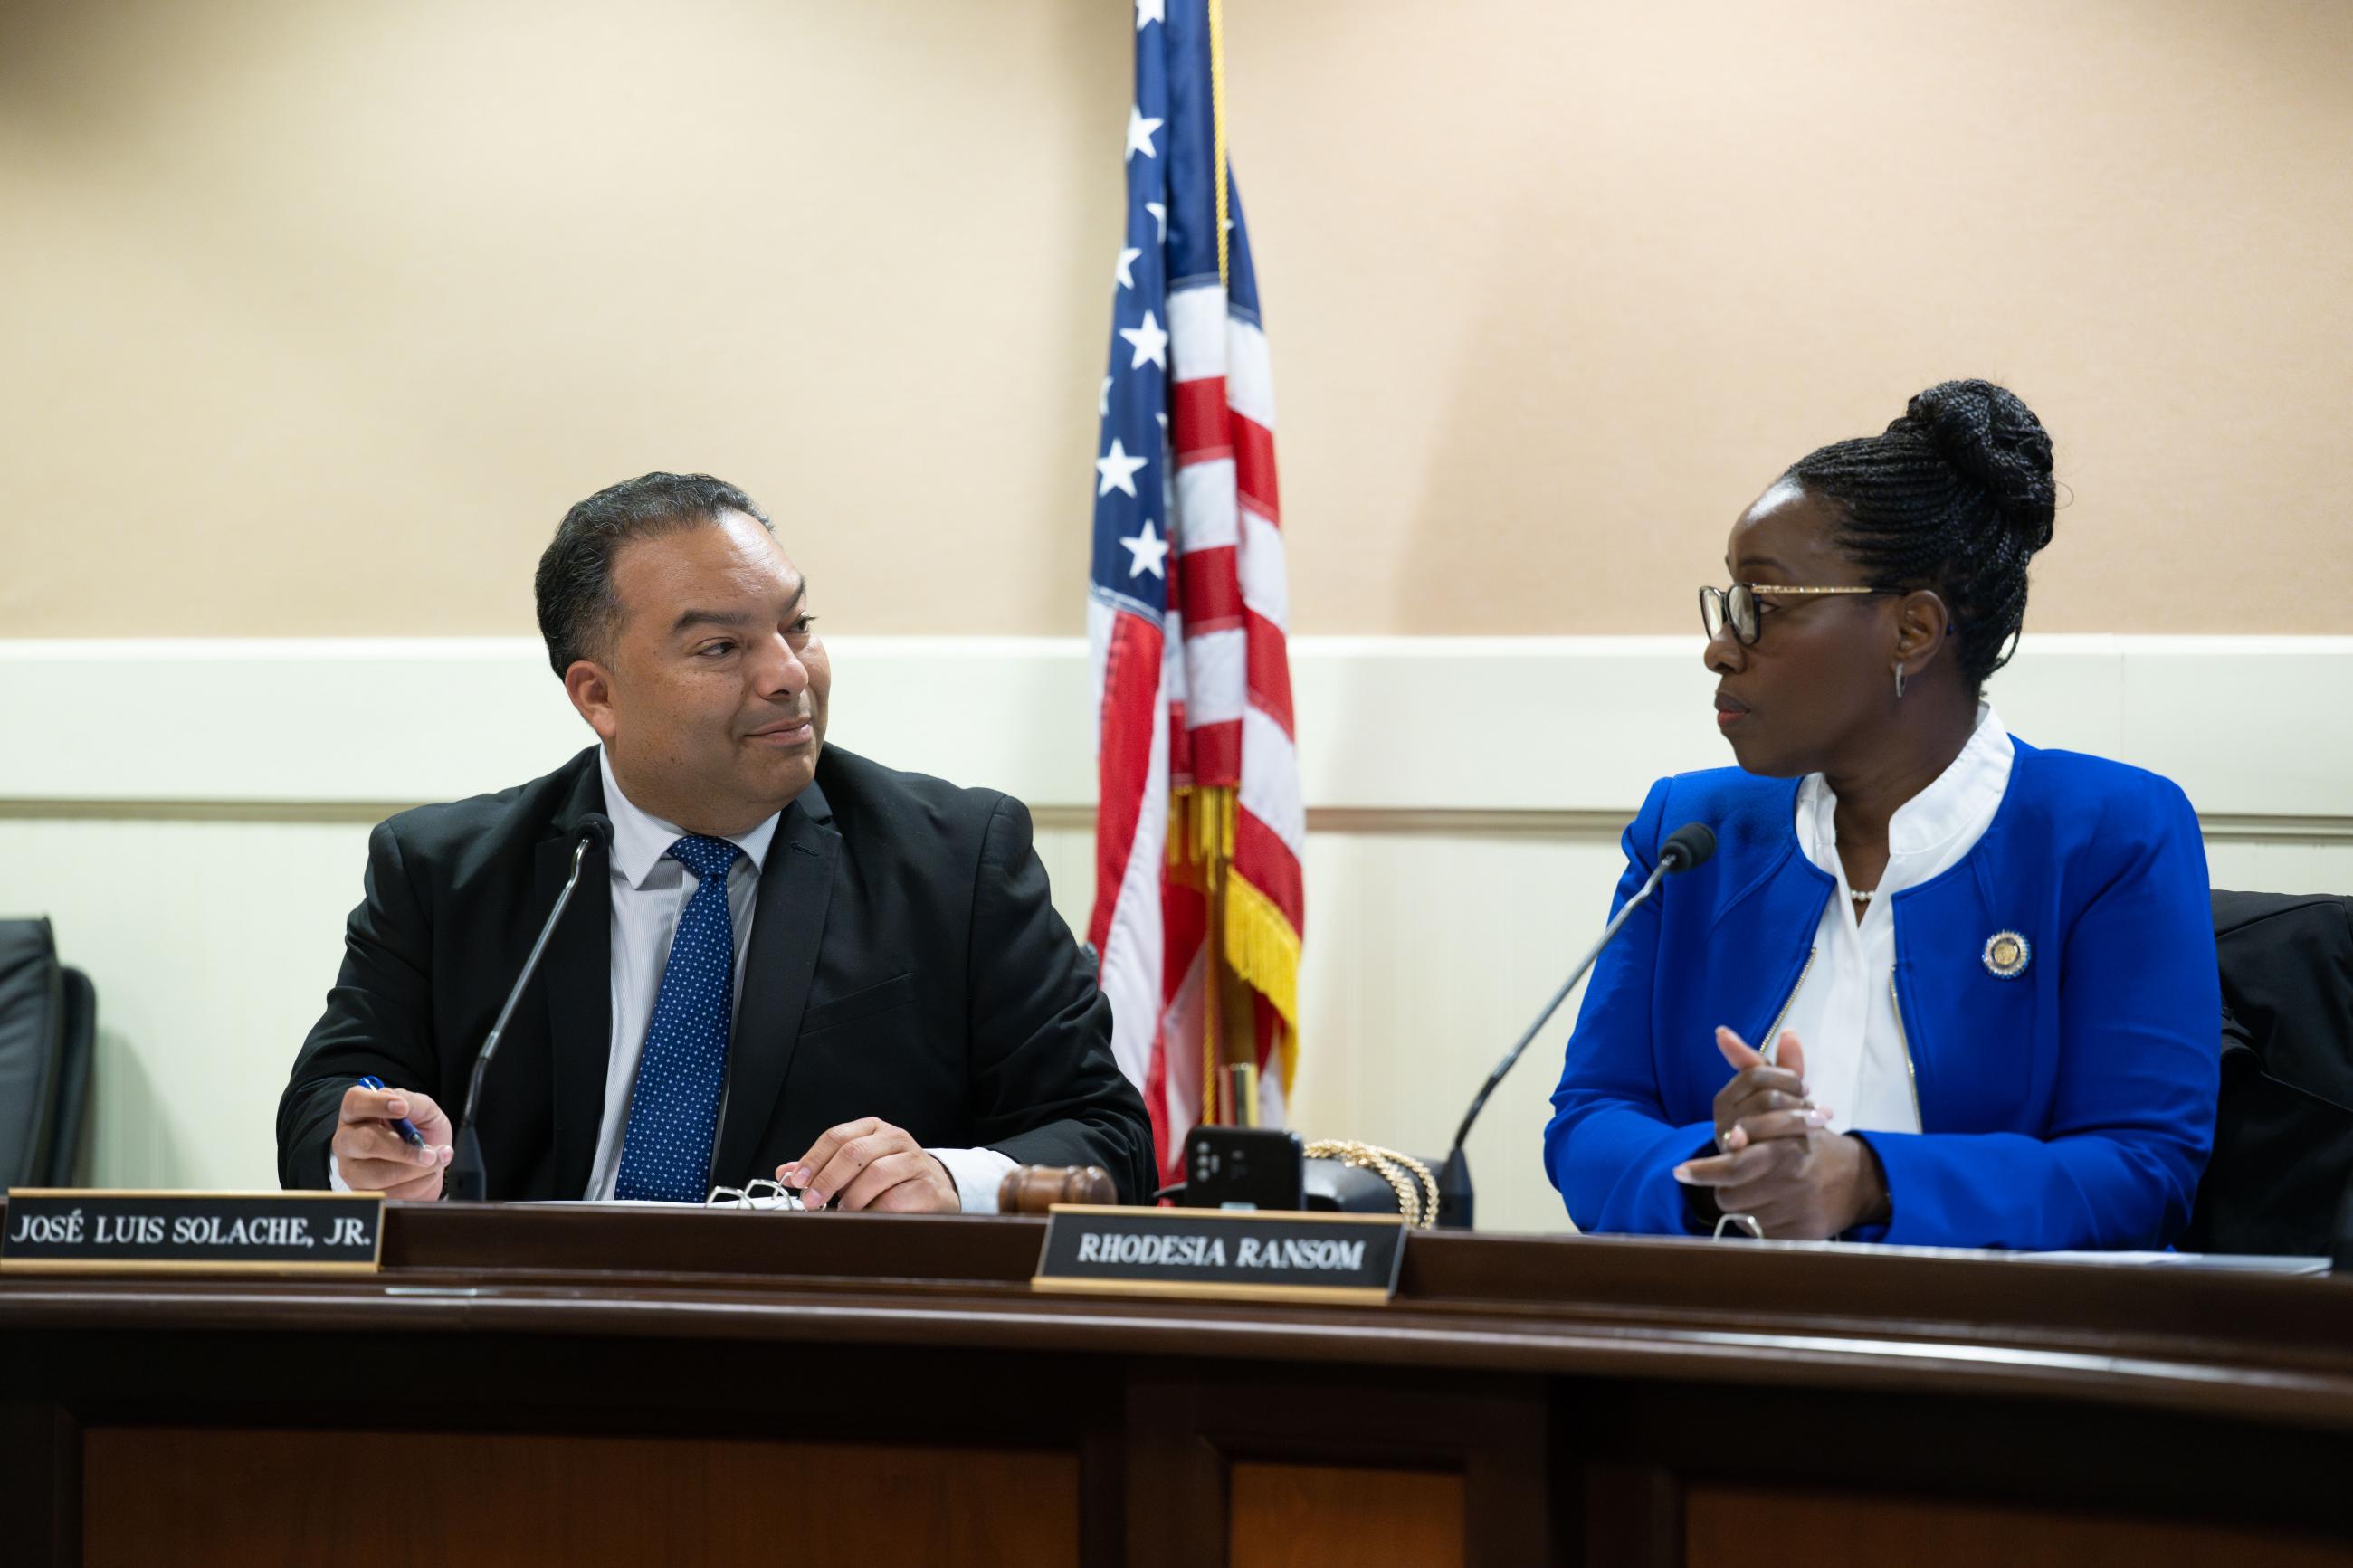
point(1956, 496)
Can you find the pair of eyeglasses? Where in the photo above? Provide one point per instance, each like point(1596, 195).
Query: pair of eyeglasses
point(759, 1194)
point(1737, 607)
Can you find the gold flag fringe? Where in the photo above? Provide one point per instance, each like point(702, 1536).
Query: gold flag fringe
point(1260, 945)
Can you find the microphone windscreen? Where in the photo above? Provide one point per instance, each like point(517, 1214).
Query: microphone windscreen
point(597, 827)
point(1687, 847)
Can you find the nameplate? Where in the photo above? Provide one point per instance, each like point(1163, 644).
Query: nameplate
point(1257, 1255)
point(64, 1231)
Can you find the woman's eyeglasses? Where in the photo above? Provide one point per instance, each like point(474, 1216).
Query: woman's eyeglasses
point(1737, 607)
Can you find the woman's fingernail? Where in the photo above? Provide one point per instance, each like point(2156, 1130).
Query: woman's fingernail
point(1736, 1139)
point(1683, 1174)
point(1819, 1118)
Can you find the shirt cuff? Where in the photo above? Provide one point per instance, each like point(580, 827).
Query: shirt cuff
point(977, 1173)
point(335, 1183)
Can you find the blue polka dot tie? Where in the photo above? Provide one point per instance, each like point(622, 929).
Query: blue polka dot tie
point(674, 1110)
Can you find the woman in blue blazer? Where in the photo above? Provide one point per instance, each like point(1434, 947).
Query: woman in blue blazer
point(1936, 986)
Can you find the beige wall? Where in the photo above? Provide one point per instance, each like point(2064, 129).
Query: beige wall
point(316, 316)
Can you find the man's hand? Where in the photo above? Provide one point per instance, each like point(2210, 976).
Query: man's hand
point(1778, 1166)
point(870, 1165)
point(371, 1157)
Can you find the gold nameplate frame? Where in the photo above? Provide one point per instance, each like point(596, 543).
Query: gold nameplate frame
point(1235, 1255)
point(64, 1230)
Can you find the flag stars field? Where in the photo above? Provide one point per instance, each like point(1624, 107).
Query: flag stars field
point(1150, 341)
point(1150, 551)
point(1139, 133)
point(1118, 469)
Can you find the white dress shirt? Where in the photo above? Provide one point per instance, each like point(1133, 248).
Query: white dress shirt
point(649, 892)
point(1843, 1012)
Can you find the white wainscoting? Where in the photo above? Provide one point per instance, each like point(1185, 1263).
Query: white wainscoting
point(194, 816)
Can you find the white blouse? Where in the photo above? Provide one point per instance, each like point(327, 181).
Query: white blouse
point(1843, 1012)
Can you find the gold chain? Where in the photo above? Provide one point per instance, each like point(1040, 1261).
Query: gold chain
point(1419, 1203)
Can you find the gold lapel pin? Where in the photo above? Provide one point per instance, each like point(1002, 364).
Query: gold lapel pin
point(2006, 955)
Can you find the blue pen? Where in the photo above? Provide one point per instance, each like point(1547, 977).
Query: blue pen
point(404, 1126)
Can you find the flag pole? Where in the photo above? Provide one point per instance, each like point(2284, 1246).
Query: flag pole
point(1230, 1007)
point(1231, 1010)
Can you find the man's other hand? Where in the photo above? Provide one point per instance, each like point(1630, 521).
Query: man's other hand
point(870, 1165)
point(371, 1157)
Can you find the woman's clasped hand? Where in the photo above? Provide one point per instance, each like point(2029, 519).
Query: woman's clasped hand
point(1779, 1165)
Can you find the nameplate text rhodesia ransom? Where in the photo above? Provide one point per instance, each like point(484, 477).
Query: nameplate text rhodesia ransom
point(64, 1231)
point(1242, 1253)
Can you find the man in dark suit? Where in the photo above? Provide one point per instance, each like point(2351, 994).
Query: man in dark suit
point(792, 961)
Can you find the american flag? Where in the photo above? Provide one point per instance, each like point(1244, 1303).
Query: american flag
point(1200, 832)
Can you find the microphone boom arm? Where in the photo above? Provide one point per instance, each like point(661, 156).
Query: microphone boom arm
point(1686, 847)
point(467, 1180)
point(1512, 1057)
point(522, 981)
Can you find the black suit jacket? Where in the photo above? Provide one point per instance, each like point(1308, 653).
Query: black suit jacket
point(903, 963)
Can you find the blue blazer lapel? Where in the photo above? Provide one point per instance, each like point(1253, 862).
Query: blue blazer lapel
point(1734, 963)
point(1789, 911)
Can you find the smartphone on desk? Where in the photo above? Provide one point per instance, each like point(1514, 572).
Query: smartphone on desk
point(1244, 1168)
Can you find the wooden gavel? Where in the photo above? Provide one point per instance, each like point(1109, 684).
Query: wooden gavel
point(1034, 1189)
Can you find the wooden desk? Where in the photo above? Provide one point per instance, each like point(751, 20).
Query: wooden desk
point(579, 1386)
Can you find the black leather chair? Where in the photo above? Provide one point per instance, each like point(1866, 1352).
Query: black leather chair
point(2284, 1134)
point(68, 1127)
point(48, 1021)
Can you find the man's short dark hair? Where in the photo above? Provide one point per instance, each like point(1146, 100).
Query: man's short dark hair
point(578, 610)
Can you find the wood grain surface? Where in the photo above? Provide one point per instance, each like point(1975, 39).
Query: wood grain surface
point(1748, 1527)
point(1316, 1516)
point(196, 1499)
point(587, 1386)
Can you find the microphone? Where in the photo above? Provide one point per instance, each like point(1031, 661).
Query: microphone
point(466, 1178)
point(1686, 847)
